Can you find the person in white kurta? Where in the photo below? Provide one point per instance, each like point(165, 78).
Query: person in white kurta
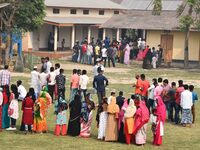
point(35, 80)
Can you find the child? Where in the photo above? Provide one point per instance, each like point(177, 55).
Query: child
point(61, 116)
point(31, 98)
point(194, 99)
point(13, 111)
point(102, 119)
point(28, 108)
point(1, 102)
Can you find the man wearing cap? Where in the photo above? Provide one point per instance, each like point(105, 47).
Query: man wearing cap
point(35, 80)
point(99, 83)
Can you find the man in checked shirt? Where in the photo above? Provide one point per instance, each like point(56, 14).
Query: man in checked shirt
point(4, 76)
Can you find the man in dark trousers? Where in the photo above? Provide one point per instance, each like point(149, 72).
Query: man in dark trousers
point(99, 83)
point(110, 55)
point(60, 81)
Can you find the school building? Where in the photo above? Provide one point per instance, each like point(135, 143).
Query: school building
point(73, 20)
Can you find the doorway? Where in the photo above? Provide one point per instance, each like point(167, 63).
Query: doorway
point(167, 45)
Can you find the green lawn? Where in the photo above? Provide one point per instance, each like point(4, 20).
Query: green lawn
point(176, 137)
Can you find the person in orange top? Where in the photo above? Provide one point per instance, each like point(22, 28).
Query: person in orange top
point(145, 85)
point(74, 86)
point(138, 85)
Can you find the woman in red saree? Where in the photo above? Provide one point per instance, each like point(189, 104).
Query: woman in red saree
point(160, 113)
point(141, 120)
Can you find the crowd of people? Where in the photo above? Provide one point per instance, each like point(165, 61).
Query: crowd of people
point(115, 51)
point(119, 118)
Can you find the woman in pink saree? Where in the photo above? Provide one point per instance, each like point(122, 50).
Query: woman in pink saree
point(141, 120)
point(86, 116)
point(160, 113)
point(127, 54)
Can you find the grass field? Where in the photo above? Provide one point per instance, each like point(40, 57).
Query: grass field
point(176, 137)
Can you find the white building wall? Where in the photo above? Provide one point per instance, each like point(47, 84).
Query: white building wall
point(36, 40)
point(78, 33)
point(94, 33)
point(64, 33)
point(109, 33)
point(79, 12)
point(44, 36)
point(30, 40)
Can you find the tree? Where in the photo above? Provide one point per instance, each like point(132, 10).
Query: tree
point(19, 17)
point(188, 14)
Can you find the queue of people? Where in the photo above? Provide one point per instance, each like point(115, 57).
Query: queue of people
point(122, 51)
point(118, 118)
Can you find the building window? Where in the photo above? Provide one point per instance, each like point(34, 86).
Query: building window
point(56, 11)
point(73, 11)
point(101, 12)
point(86, 12)
point(116, 12)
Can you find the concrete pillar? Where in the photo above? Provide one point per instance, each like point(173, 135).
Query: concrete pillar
point(73, 37)
point(117, 34)
point(55, 38)
point(89, 34)
point(104, 33)
point(144, 34)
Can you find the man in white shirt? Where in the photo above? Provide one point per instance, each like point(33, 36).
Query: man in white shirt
point(89, 54)
point(51, 82)
point(57, 69)
point(84, 81)
point(186, 104)
point(43, 79)
point(21, 90)
point(35, 80)
point(104, 55)
point(98, 64)
point(49, 64)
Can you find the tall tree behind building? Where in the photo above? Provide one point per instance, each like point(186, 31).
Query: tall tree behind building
point(188, 14)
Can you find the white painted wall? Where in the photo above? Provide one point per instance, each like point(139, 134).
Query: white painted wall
point(30, 40)
point(36, 40)
point(44, 35)
point(79, 12)
point(78, 33)
point(94, 33)
point(64, 32)
point(109, 33)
